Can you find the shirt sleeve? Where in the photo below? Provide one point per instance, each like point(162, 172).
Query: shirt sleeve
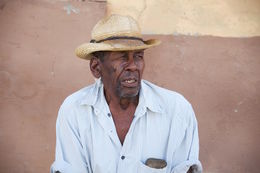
point(69, 155)
point(191, 144)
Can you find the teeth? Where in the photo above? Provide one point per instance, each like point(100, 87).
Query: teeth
point(130, 81)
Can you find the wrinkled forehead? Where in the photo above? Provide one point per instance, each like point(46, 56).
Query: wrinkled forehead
point(117, 54)
point(105, 54)
point(125, 52)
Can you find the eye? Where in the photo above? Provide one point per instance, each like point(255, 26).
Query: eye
point(124, 57)
point(138, 56)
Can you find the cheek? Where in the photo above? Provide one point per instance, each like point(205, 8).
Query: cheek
point(117, 69)
point(113, 70)
point(141, 66)
point(110, 69)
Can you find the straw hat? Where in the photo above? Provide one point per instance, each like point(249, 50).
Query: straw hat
point(115, 33)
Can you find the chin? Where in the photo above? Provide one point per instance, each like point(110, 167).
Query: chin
point(129, 93)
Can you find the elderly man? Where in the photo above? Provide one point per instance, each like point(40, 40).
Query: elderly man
point(121, 123)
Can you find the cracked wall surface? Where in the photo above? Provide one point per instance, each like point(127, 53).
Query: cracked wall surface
point(229, 18)
point(38, 70)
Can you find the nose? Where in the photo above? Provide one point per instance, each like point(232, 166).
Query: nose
point(131, 63)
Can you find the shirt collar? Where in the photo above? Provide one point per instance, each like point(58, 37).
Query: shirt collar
point(147, 98)
point(91, 93)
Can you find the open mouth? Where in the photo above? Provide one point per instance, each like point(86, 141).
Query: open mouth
point(131, 82)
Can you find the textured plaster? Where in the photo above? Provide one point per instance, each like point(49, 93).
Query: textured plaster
point(229, 18)
point(38, 70)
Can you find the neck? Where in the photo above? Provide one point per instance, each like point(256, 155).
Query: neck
point(125, 102)
point(122, 102)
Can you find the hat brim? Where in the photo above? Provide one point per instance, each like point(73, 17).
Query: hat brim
point(85, 50)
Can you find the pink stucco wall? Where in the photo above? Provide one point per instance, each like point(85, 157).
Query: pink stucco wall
point(38, 69)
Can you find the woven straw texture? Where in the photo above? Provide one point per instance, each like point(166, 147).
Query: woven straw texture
point(114, 26)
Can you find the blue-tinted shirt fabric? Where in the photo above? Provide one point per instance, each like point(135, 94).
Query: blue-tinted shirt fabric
point(164, 127)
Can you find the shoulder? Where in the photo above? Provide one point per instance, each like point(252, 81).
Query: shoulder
point(163, 94)
point(173, 103)
point(77, 97)
point(72, 104)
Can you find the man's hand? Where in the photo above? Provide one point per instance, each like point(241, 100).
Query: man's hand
point(190, 170)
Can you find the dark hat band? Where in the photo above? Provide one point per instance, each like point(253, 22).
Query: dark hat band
point(115, 38)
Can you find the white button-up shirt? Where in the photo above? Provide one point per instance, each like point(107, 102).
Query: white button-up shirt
point(164, 127)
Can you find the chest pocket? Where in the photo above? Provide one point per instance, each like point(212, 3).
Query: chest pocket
point(142, 168)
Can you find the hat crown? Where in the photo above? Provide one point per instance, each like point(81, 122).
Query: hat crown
point(114, 26)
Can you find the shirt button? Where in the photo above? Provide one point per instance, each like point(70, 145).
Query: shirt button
point(122, 157)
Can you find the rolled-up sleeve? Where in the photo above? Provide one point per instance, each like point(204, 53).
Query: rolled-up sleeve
point(191, 145)
point(69, 155)
point(184, 167)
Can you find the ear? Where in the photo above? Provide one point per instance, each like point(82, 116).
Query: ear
point(95, 68)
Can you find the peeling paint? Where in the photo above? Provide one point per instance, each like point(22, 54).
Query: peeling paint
point(241, 102)
point(69, 9)
point(98, 1)
point(231, 18)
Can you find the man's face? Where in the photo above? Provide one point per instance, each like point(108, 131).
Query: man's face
point(121, 72)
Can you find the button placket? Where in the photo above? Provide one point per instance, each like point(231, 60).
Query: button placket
point(106, 124)
point(112, 131)
point(96, 111)
point(128, 137)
